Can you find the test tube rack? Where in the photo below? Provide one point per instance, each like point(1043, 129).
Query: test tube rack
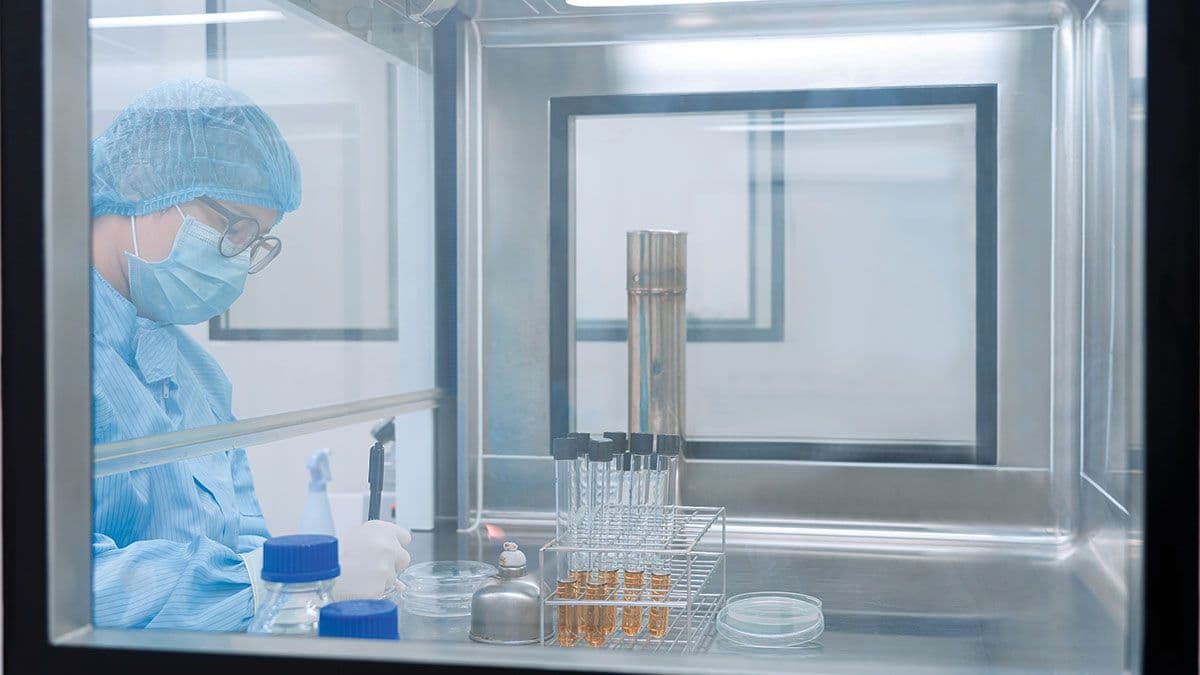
point(691, 547)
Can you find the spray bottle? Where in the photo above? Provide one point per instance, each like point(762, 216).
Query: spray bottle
point(318, 516)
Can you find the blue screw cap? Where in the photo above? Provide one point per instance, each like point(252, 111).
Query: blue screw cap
point(371, 619)
point(297, 558)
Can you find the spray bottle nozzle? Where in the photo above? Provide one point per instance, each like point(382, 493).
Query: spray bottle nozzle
point(319, 471)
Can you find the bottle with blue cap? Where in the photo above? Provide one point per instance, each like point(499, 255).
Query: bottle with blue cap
point(370, 619)
point(298, 572)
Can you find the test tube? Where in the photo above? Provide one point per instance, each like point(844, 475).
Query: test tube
point(580, 563)
point(568, 615)
point(600, 459)
point(566, 508)
point(670, 447)
point(640, 447)
point(611, 572)
point(666, 459)
point(566, 488)
point(617, 484)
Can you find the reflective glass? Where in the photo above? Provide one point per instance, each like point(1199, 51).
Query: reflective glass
point(909, 347)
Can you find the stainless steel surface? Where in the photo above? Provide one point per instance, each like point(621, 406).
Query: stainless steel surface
point(893, 609)
point(688, 543)
point(1063, 286)
point(1112, 441)
point(139, 453)
point(501, 18)
point(510, 82)
point(656, 290)
point(506, 612)
point(68, 509)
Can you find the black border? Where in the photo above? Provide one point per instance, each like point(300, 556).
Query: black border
point(22, 372)
point(982, 96)
point(1172, 387)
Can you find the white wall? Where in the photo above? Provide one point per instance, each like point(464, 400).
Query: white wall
point(325, 89)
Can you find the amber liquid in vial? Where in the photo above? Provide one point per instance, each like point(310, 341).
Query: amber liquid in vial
point(580, 579)
point(593, 622)
point(568, 623)
point(657, 624)
point(612, 581)
point(631, 615)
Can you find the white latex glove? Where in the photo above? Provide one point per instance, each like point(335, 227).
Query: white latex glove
point(371, 555)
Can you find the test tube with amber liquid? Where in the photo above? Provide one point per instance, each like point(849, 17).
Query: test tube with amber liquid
point(611, 581)
point(631, 615)
point(593, 622)
point(663, 488)
point(659, 585)
point(568, 615)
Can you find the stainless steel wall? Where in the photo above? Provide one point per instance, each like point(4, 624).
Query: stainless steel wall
point(513, 66)
point(1114, 113)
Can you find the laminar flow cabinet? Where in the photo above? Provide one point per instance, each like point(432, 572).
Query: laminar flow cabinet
point(940, 341)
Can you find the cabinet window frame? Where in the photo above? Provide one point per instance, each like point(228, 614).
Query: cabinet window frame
point(565, 332)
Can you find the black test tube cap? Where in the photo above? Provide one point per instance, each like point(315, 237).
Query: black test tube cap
point(620, 441)
point(669, 444)
point(582, 440)
point(600, 450)
point(641, 444)
point(565, 447)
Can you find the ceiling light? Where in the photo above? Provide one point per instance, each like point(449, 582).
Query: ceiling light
point(183, 19)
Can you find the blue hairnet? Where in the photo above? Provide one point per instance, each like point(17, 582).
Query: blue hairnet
point(187, 138)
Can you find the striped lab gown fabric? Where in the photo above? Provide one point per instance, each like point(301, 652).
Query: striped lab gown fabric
point(167, 540)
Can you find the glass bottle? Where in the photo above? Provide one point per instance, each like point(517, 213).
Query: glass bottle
point(298, 574)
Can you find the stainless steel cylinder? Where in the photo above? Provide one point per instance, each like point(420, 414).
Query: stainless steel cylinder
point(656, 284)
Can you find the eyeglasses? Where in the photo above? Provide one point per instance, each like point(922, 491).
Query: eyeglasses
point(243, 232)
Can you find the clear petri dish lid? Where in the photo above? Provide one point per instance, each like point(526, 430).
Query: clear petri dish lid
point(771, 619)
point(446, 577)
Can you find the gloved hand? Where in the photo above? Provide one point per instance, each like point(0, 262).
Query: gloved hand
point(371, 555)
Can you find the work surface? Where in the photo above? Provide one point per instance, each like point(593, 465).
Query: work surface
point(889, 609)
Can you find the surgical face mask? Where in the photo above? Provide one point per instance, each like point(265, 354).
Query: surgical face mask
point(194, 283)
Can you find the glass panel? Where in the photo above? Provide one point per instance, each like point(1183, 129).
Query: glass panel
point(178, 556)
point(351, 297)
point(632, 169)
point(913, 232)
point(859, 225)
point(206, 111)
point(1113, 308)
point(282, 475)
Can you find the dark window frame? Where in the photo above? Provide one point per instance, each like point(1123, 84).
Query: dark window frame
point(982, 96)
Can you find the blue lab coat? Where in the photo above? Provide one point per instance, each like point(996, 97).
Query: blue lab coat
point(167, 541)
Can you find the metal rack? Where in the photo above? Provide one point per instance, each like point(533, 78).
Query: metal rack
point(683, 540)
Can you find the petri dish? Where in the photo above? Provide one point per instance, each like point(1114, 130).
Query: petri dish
point(771, 619)
point(444, 587)
point(436, 601)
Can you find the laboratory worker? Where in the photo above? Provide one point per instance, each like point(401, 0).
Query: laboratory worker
point(188, 185)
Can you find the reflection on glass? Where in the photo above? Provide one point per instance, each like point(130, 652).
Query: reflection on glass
point(1113, 253)
point(853, 228)
point(214, 138)
point(184, 527)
